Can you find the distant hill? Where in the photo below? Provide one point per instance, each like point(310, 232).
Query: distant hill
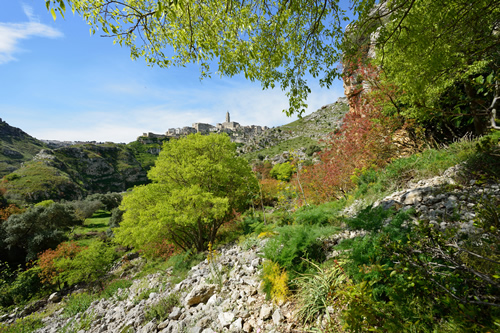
point(16, 147)
point(74, 172)
point(302, 134)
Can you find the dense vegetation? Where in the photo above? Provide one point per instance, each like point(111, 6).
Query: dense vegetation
point(399, 272)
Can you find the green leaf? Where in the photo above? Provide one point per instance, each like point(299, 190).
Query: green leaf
point(489, 78)
point(53, 12)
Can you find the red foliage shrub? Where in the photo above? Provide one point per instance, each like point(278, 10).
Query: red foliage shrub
point(8, 211)
point(364, 140)
point(49, 273)
point(159, 249)
point(263, 169)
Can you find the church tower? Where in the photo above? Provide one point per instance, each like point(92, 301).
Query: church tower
point(228, 119)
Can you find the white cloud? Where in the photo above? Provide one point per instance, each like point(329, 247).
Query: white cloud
point(12, 33)
point(29, 12)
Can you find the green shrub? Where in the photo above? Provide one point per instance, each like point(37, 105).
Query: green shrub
point(19, 286)
point(370, 219)
point(112, 288)
point(77, 303)
point(88, 265)
point(23, 325)
point(314, 215)
point(318, 290)
point(108, 200)
point(295, 243)
point(38, 229)
point(283, 171)
point(162, 309)
point(419, 278)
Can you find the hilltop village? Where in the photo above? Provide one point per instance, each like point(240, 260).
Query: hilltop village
point(236, 132)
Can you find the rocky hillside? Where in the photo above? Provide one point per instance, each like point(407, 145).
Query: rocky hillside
point(224, 294)
point(16, 147)
point(72, 172)
point(298, 135)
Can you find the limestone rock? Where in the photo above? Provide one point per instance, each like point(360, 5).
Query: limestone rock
point(225, 318)
point(200, 294)
point(266, 312)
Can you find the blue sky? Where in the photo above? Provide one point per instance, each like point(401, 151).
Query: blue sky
point(59, 82)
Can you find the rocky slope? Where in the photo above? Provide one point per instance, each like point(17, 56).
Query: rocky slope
point(225, 295)
point(16, 147)
point(72, 172)
point(302, 132)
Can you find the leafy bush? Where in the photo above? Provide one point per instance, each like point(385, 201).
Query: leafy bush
point(282, 171)
point(110, 201)
point(84, 209)
point(38, 229)
point(77, 303)
point(314, 215)
point(295, 243)
point(275, 281)
point(116, 218)
point(162, 309)
point(411, 278)
point(19, 286)
point(47, 261)
point(88, 265)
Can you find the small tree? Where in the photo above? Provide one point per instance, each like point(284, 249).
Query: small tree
point(37, 229)
point(198, 184)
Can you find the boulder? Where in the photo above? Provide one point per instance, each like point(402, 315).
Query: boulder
point(200, 294)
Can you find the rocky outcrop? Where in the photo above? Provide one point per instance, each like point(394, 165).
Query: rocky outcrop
point(72, 172)
point(440, 200)
point(102, 168)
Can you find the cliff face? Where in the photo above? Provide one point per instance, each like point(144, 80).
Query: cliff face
point(363, 48)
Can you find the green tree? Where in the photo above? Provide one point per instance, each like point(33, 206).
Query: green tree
point(109, 200)
point(423, 45)
point(36, 230)
point(426, 46)
point(274, 42)
point(198, 183)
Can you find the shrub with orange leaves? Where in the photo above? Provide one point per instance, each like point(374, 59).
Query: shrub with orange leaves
point(8, 211)
point(159, 249)
point(270, 189)
point(364, 140)
point(46, 261)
